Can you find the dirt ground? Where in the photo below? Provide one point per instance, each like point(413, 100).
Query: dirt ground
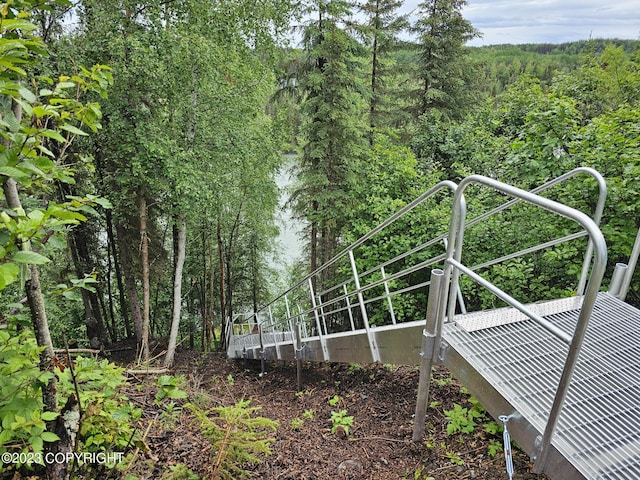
point(381, 399)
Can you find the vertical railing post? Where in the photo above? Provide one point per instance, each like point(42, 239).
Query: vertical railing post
point(386, 289)
point(324, 319)
point(373, 347)
point(261, 350)
point(633, 259)
point(305, 331)
point(617, 279)
point(346, 297)
point(274, 335)
point(323, 341)
point(289, 319)
point(430, 341)
point(299, 356)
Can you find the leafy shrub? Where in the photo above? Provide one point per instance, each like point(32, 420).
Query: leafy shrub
point(169, 387)
point(23, 426)
point(108, 415)
point(340, 420)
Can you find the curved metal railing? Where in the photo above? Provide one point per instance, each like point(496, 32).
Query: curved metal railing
point(454, 267)
point(354, 295)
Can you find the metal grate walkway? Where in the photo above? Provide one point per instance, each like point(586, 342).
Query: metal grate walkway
point(598, 430)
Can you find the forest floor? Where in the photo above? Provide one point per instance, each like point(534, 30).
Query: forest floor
point(378, 445)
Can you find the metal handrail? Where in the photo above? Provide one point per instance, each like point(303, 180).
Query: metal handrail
point(454, 267)
point(410, 206)
point(446, 184)
point(346, 251)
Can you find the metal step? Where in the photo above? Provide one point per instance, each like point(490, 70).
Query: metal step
point(514, 368)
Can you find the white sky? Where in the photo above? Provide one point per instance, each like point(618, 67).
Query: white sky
point(549, 21)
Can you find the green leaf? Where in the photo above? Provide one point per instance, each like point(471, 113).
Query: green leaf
point(29, 257)
point(49, 436)
point(16, 24)
point(36, 443)
point(48, 416)
point(71, 129)
point(12, 172)
point(9, 273)
point(27, 95)
point(55, 135)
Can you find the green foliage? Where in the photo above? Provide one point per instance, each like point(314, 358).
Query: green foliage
point(308, 414)
point(443, 70)
point(419, 474)
point(108, 417)
point(494, 448)
point(237, 437)
point(23, 426)
point(462, 419)
point(531, 132)
point(39, 118)
point(334, 130)
point(170, 387)
point(333, 401)
point(341, 421)
point(296, 423)
point(179, 472)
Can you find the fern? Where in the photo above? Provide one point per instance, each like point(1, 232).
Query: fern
point(237, 437)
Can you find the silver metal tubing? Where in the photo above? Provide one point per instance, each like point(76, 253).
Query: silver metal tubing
point(373, 347)
point(454, 252)
point(429, 346)
point(323, 342)
point(388, 295)
point(617, 278)
point(446, 184)
point(512, 301)
point(633, 259)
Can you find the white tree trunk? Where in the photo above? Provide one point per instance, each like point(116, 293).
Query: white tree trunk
point(177, 292)
point(146, 302)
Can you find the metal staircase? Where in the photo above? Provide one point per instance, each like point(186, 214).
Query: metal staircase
point(563, 375)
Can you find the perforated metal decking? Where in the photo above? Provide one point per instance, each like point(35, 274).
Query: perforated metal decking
point(514, 369)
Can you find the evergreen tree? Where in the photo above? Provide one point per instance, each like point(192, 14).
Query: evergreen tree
point(334, 130)
point(443, 71)
point(380, 31)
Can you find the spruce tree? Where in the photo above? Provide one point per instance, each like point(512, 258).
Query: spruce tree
point(443, 71)
point(334, 129)
point(381, 30)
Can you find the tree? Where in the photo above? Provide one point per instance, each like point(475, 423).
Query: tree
point(37, 113)
point(442, 69)
point(181, 130)
point(334, 130)
point(380, 31)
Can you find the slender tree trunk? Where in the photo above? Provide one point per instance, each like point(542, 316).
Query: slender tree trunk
point(212, 271)
point(146, 291)
point(179, 255)
point(222, 281)
point(82, 263)
point(112, 315)
point(35, 299)
point(130, 281)
point(205, 341)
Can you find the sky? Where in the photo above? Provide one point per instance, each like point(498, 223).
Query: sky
point(550, 21)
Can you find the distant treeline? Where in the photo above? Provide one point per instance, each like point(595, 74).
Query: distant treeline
point(500, 65)
point(596, 45)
